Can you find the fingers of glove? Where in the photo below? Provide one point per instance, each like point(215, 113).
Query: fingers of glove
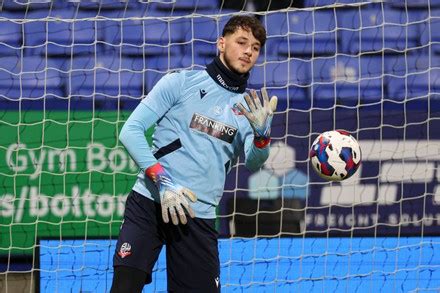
point(245, 112)
point(273, 103)
point(250, 102)
point(165, 213)
point(189, 194)
point(173, 215)
point(257, 101)
point(181, 214)
point(188, 208)
point(265, 97)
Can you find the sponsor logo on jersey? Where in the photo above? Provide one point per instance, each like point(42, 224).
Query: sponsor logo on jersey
point(213, 128)
point(125, 250)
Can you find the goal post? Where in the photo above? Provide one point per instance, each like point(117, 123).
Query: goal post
point(72, 72)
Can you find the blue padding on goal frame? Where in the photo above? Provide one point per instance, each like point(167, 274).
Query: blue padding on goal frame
point(280, 264)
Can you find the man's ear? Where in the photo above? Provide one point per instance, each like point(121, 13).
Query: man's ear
point(221, 44)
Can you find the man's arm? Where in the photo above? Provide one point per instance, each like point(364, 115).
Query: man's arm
point(132, 136)
point(255, 157)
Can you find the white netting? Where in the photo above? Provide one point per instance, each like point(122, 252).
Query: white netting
point(71, 72)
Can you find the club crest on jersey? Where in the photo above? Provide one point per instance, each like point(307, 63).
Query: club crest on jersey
point(125, 250)
point(213, 128)
point(217, 110)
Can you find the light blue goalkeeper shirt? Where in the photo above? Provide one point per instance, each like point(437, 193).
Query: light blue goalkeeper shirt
point(197, 139)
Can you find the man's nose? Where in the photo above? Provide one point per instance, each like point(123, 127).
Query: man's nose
point(249, 51)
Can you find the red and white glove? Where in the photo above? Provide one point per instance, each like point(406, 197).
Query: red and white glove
point(173, 197)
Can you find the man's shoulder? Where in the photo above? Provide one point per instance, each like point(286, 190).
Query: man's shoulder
point(187, 72)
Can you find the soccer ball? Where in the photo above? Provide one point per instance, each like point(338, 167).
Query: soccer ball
point(335, 155)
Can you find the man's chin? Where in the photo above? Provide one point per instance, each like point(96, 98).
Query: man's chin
point(241, 71)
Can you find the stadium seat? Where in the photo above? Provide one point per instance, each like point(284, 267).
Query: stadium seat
point(429, 32)
point(57, 37)
point(369, 28)
point(412, 76)
point(143, 35)
point(156, 67)
point(29, 78)
point(423, 4)
point(107, 77)
point(347, 80)
point(204, 32)
point(288, 79)
point(10, 34)
point(318, 3)
point(35, 36)
point(104, 4)
point(193, 5)
point(25, 5)
point(71, 38)
point(281, 74)
point(302, 32)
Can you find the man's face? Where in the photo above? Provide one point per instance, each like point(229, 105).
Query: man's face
point(239, 51)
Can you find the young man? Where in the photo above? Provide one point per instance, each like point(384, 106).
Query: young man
point(202, 126)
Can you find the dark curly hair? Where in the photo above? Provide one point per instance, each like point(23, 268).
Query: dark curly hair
point(246, 22)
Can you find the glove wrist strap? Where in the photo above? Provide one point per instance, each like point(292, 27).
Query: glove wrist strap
point(261, 142)
point(155, 172)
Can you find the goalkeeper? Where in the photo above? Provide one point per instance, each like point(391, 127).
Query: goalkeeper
point(204, 120)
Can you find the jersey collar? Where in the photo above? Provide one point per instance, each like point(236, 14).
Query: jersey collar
point(226, 78)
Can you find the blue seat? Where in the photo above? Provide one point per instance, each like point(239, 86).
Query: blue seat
point(194, 5)
point(142, 35)
point(35, 36)
point(429, 32)
point(412, 76)
point(294, 72)
point(203, 32)
point(318, 3)
point(369, 28)
point(105, 77)
point(62, 37)
point(157, 66)
point(71, 38)
point(29, 78)
point(288, 80)
point(423, 4)
point(190, 56)
point(24, 5)
point(104, 4)
point(302, 32)
point(10, 34)
point(347, 80)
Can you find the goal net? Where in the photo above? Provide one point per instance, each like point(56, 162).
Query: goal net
point(71, 72)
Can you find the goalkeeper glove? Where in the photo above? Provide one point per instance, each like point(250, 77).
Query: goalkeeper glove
point(259, 116)
point(173, 197)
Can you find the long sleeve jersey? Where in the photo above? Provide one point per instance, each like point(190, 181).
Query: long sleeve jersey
point(198, 136)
